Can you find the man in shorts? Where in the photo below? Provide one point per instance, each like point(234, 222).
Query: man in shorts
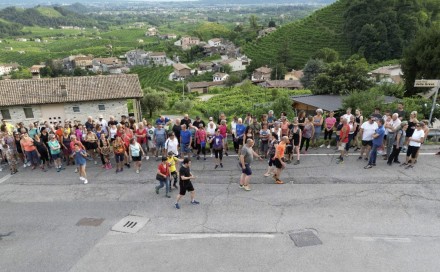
point(246, 158)
point(367, 130)
point(377, 142)
point(160, 136)
point(185, 183)
point(278, 159)
point(185, 141)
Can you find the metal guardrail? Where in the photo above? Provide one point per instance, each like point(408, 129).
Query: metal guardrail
point(434, 135)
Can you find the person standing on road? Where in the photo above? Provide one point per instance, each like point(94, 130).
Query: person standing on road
point(201, 142)
point(55, 151)
point(217, 145)
point(330, 123)
point(135, 153)
point(278, 159)
point(377, 142)
point(367, 130)
point(399, 140)
point(295, 136)
point(185, 141)
point(308, 132)
point(223, 129)
point(79, 156)
point(391, 128)
point(318, 119)
point(172, 160)
point(414, 143)
point(185, 183)
point(246, 158)
point(344, 137)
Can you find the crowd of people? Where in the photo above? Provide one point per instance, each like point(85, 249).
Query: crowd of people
point(123, 143)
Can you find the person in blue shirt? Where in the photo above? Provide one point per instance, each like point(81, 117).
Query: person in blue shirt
point(377, 142)
point(239, 130)
point(185, 141)
point(162, 120)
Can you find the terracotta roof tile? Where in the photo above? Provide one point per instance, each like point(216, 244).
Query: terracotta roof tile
point(49, 90)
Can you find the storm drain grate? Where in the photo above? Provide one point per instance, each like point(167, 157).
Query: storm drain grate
point(90, 222)
point(130, 224)
point(305, 238)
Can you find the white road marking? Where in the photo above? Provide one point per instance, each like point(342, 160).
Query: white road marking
point(185, 236)
point(338, 154)
point(386, 239)
point(5, 178)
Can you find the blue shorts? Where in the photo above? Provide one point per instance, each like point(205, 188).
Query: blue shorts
point(55, 156)
point(119, 157)
point(186, 148)
point(247, 169)
point(160, 144)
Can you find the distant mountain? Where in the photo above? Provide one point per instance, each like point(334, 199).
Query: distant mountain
point(378, 30)
point(45, 16)
point(272, 2)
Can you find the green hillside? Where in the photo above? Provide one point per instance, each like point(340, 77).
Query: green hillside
point(49, 12)
point(294, 43)
point(155, 77)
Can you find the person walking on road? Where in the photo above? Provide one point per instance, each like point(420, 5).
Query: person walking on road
point(246, 158)
point(163, 176)
point(185, 183)
point(79, 156)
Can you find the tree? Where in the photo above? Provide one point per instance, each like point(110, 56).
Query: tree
point(253, 21)
point(278, 72)
point(232, 80)
point(312, 69)
point(283, 103)
point(421, 59)
point(343, 78)
point(21, 73)
point(327, 55)
point(184, 105)
point(227, 68)
point(272, 23)
point(365, 101)
point(153, 101)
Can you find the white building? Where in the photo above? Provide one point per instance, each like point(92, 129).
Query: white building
point(6, 69)
point(68, 98)
point(236, 64)
point(215, 42)
point(219, 77)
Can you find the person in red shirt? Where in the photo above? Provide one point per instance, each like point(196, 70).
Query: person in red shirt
point(224, 132)
point(201, 142)
point(343, 140)
point(163, 176)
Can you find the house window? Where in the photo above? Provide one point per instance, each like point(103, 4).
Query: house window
point(6, 114)
point(75, 109)
point(101, 107)
point(28, 113)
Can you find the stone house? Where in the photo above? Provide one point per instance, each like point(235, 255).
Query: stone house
point(282, 84)
point(68, 98)
point(84, 63)
point(266, 31)
point(206, 66)
point(158, 58)
point(188, 42)
point(104, 65)
point(181, 71)
point(261, 74)
point(35, 70)
point(137, 57)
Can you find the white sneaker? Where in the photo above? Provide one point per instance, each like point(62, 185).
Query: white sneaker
point(322, 145)
point(328, 146)
point(29, 164)
point(86, 181)
point(148, 157)
point(96, 162)
point(137, 171)
point(81, 178)
point(24, 165)
point(76, 170)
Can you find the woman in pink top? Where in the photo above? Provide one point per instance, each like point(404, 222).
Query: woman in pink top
point(328, 128)
point(201, 142)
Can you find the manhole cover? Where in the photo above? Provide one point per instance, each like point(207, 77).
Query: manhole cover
point(90, 222)
point(130, 224)
point(305, 238)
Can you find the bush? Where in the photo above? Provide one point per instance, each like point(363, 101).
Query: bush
point(183, 106)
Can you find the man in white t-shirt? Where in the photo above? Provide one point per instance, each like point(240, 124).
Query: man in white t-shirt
point(415, 141)
point(367, 130)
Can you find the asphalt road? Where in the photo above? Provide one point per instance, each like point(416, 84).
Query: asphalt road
point(381, 219)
